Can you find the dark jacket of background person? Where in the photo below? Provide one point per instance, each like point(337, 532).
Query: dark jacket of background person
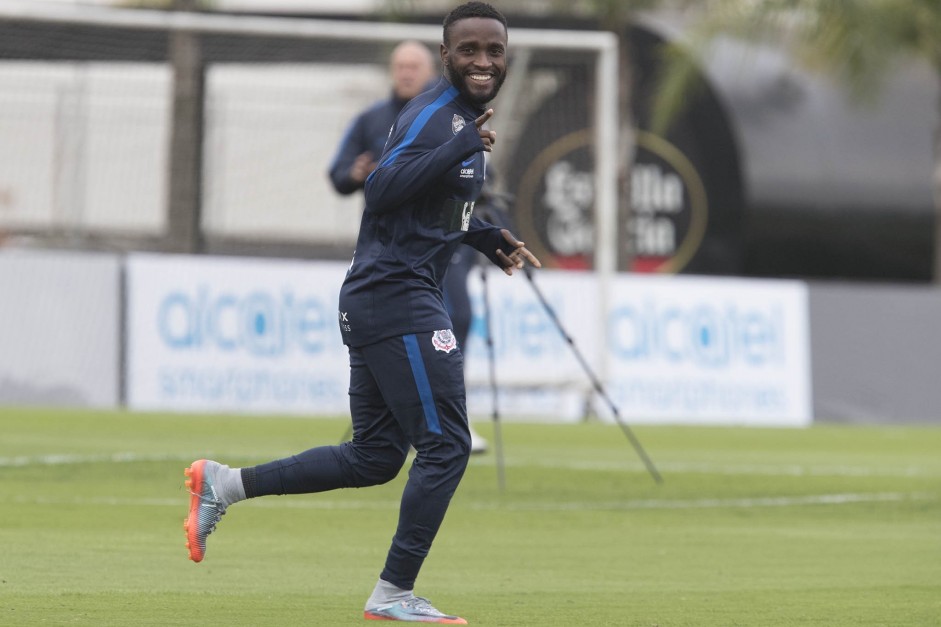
point(366, 133)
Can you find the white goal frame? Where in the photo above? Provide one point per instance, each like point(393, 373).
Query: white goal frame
point(604, 44)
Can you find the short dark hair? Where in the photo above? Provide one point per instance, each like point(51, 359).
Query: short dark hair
point(471, 9)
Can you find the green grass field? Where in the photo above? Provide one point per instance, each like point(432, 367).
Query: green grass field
point(827, 526)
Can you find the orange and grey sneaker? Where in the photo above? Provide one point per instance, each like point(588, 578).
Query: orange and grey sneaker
point(206, 508)
point(413, 610)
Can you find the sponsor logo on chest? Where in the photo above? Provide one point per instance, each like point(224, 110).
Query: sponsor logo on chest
point(467, 168)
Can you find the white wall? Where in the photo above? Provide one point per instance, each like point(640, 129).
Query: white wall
point(87, 147)
point(223, 334)
point(59, 329)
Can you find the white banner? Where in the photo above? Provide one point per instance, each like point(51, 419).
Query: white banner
point(708, 350)
point(686, 350)
point(536, 374)
point(238, 335)
point(215, 334)
point(528, 348)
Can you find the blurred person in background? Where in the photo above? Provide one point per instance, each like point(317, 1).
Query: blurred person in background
point(413, 70)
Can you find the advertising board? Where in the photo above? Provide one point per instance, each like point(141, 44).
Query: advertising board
point(234, 335)
point(704, 350)
point(260, 336)
point(667, 349)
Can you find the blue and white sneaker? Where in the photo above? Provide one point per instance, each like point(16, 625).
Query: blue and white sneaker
point(206, 508)
point(413, 610)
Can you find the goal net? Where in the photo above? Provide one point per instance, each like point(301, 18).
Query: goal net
point(86, 105)
point(87, 110)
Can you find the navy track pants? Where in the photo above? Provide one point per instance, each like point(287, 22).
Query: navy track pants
point(403, 390)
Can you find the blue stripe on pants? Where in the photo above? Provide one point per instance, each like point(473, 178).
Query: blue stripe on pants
point(421, 380)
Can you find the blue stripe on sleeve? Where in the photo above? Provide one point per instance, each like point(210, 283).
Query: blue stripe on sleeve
point(421, 380)
point(447, 96)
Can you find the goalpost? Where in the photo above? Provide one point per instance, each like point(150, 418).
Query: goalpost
point(85, 105)
point(80, 92)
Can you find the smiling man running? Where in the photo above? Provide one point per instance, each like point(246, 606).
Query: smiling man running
point(406, 369)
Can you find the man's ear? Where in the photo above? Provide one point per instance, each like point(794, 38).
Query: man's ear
point(443, 51)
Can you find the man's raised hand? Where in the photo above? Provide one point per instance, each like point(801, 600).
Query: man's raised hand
point(489, 138)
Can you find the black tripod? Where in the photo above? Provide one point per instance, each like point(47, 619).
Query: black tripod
point(596, 383)
point(492, 363)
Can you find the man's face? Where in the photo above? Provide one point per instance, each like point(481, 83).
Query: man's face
point(412, 68)
point(475, 58)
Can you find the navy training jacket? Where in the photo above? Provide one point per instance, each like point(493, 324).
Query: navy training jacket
point(419, 209)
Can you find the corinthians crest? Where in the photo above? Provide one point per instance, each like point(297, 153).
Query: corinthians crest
point(444, 341)
point(457, 123)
